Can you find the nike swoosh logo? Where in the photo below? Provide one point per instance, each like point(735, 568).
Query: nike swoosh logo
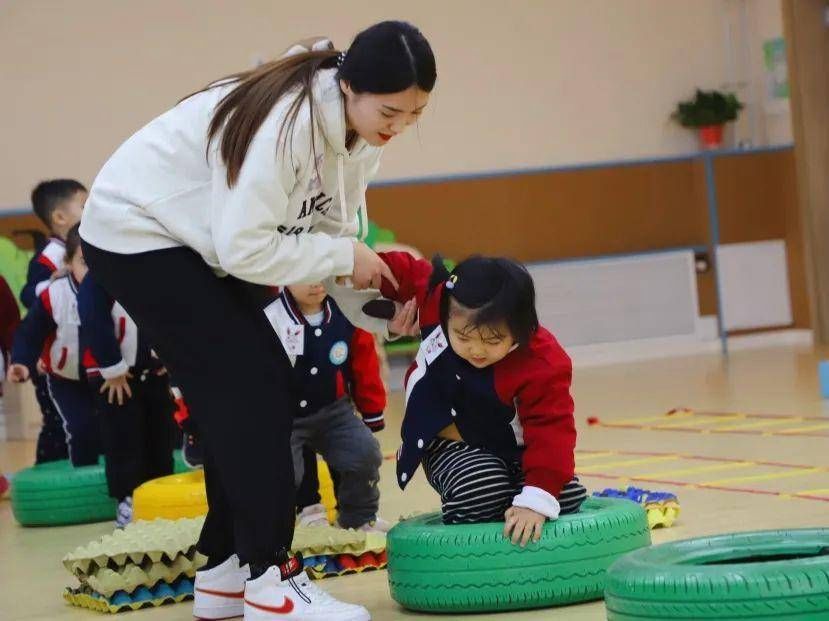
point(230, 594)
point(284, 609)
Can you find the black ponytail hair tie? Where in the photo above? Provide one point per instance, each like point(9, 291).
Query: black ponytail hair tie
point(439, 272)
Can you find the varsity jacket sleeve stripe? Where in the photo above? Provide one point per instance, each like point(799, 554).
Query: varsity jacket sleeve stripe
point(33, 332)
point(367, 389)
point(98, 329)
point(37, 276)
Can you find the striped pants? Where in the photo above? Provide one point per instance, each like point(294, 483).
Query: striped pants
point(476, 486)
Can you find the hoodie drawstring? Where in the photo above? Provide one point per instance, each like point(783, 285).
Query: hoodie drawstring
point(363, 214)
point(341, 183)
point(363, 209)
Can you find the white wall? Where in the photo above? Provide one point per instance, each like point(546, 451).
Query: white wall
point(774, 124)
point(522, 83)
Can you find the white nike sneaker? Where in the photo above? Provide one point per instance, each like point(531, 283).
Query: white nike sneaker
point(313, 515)
point(219, 593)
point(286, 592)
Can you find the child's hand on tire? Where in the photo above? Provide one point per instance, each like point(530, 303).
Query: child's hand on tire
point(523, 524)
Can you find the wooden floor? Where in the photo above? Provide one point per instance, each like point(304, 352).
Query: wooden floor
point(751, 455)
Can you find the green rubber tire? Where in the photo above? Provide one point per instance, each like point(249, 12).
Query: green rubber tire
point(57, 494)
point(780, 575)
point(474, 568)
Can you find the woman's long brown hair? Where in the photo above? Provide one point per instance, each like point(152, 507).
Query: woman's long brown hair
point(241, 112)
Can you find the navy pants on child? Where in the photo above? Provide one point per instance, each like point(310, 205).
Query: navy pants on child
point(72, 401)
point(51, 440)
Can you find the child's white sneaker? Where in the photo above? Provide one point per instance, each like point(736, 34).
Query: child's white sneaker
point(123, 515)
point(286, 592)
point(219, 593)
point(313, 515)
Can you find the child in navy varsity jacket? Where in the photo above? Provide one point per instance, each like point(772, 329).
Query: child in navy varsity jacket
point(488, 408)
point(50, 332)
point(334, 364)
point(132, 396)
point(58, 203)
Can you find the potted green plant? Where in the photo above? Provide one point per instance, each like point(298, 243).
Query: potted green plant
point(707, 112)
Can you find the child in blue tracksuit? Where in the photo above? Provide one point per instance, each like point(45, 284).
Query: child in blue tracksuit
point(50, 331)
point(132, 396)
point(335, 368)
point(58, 203)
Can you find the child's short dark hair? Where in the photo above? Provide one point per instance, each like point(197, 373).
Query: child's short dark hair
point(48, 196)
point(496, 289)
point(73, 242)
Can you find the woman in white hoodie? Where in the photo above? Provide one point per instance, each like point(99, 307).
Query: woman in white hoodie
point(258, 179)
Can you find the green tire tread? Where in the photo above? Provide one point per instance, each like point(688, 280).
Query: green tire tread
point(758, 576)
point(474, 568)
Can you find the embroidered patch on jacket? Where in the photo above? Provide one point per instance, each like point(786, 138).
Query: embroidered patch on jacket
point(338, 353)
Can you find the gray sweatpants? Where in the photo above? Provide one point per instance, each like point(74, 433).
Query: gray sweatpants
point(349, 447)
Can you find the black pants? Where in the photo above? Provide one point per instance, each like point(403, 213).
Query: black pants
point(51, 441)
point(219, 346)
point(138, 436)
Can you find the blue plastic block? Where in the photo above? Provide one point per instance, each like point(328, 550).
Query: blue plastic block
point(823, 373)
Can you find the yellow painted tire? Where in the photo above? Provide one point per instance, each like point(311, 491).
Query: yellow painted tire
point(328, 498)
point(184, 495)
point(172, 497)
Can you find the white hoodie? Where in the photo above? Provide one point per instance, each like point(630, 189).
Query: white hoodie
point(281, 223)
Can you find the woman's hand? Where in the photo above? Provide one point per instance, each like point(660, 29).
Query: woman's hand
point(17, 373)
point(117, 388)
point(370, 269)
point(523, 524)
point(404, 322)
